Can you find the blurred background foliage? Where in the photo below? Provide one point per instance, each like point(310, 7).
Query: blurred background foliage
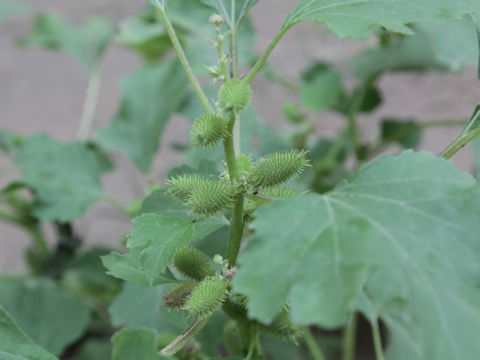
point(333, 109)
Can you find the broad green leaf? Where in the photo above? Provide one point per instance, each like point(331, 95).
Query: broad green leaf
point(407, 133)
point(163, 204)
point(454, 43)
point(411, 53)
point(85, 275)
point(138, 344)
point(158, 237)
point(15, 344)
point(327, 157)
point(66, 177)
point(322, 86)
point(441, 46)
point(143, 307)
point(151, 96)
point(128, 267)
point(372, 98)
point(232, 11)
point(145, 34)
point(281, 350)
point(52, 318)
point(8, 8)
point(151, 249)
point(85, 44)
point(95, 349)
point(207, 168)
point(404, 232)
point(357, 18)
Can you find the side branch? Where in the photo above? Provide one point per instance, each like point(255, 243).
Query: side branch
point(258, 66)
point(184, 61)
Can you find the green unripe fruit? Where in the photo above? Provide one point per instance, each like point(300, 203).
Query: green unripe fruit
point(182, 186)
point(208, 130)
point(282, 327)
point(234, 96)
point(207, 298)
point(277, 168)
point(212, 197)
point(176, 297)
point(193, 263)
point(232, 339)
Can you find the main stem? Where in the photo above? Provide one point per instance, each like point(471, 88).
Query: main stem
point(184, 61)
point(236, 221)
point(91, 100)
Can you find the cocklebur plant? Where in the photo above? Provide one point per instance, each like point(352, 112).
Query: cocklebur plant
point(396, 243)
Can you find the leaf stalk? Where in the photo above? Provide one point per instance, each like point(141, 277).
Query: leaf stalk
point(183, 60)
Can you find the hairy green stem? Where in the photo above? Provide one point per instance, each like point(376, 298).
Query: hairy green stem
point(377, 341)
point(91, 100)
point(229, 150)
point(184, 61)
point(258, 66)
point(349, 338)
point(459, 143)
point(312, 344)
point(236, 232)
point(184, 338)
point(236, 222)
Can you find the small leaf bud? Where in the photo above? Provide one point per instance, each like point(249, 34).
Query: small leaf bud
point(216, 19)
